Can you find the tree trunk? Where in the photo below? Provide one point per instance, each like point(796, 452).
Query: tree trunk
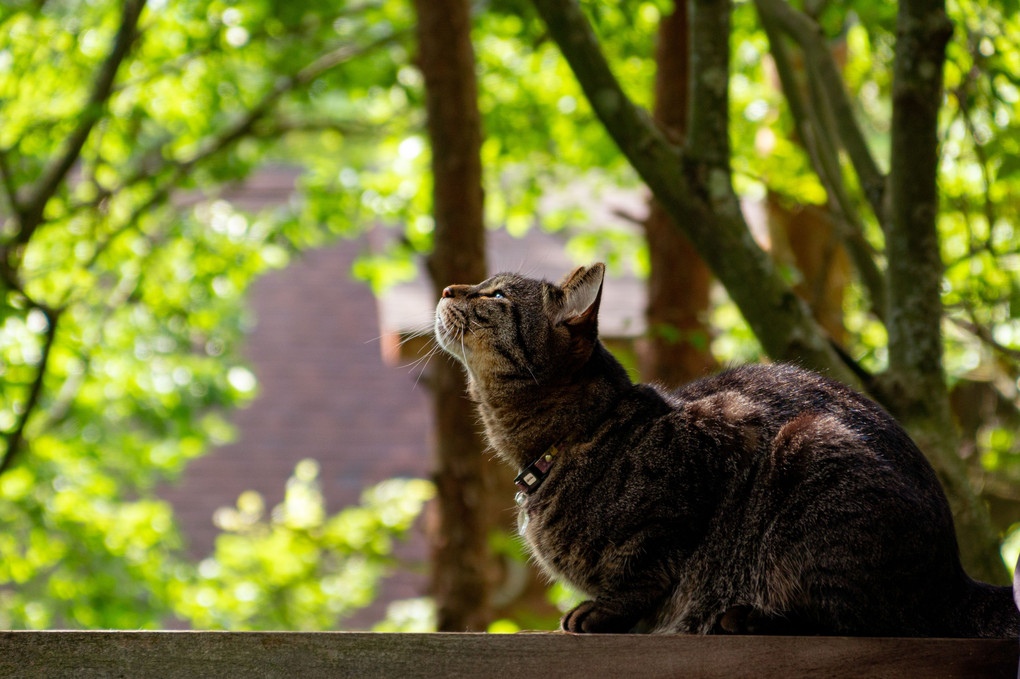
point(462, 567)
point(915, 384)
point(914, 316)
point(678, 282)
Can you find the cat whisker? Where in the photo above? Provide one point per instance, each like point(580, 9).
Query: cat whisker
point(407, 334)
point(432, 351)
point(424, 359)
point(427, 358)
point(431, 346)
point(422, 371)
point(415, 335)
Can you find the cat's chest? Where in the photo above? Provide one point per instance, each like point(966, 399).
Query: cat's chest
point(567, 539)
point(561, 552)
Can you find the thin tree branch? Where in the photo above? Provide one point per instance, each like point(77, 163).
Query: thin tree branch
point(986, 337)
point(7, 181)
point(247, 123)
point(9, 277)
point(15, 439)
point(55, 172)
point(806, 32)
point(989, 484)
point(120, 295)
point(824, 159)
point(306, 75)
point(157, 197)
point(280, 126)
point(983, 163)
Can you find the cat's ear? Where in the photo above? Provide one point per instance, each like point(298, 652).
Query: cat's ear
point(578, 298)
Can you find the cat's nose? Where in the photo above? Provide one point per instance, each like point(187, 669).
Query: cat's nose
point(452, 291)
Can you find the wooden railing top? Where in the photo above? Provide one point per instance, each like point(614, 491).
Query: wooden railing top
point(172, 655)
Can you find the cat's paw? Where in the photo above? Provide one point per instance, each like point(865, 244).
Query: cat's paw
point(588, 618)
point(736, 620)
point(581, 618)
point(743, 619)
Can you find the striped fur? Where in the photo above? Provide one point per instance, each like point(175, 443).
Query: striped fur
point(764, 499)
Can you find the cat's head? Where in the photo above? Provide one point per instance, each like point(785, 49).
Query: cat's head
point(510, 328)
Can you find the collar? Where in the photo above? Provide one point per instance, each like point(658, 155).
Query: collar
point(534, 474)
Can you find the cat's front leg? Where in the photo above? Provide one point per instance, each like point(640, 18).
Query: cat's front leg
point(631, 582)
point(619, 609)
point(595, 616)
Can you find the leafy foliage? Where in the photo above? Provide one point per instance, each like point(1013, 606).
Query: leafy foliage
point(121, 307)
point(297, 568)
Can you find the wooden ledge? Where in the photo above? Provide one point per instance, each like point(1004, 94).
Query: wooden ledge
point(360, 655)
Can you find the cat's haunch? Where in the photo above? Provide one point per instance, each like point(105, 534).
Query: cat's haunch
point(765, 499)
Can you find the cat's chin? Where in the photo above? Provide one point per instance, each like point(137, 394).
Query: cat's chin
point(450, 340)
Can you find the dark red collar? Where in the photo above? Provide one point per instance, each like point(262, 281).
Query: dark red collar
point(534, 474)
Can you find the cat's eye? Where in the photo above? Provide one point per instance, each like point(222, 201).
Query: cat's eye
point(498, 294)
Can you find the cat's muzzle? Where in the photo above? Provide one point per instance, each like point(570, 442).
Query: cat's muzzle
point(449, 329)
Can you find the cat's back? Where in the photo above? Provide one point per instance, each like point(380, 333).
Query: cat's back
point(795, 417)
point(782, 390)
point(774, 395)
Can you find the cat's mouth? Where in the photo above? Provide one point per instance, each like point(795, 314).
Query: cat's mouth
point(450, 328)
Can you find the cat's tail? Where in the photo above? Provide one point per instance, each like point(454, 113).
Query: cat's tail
point(987, 611)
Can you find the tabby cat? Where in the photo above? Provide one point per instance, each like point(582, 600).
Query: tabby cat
point(764, 499)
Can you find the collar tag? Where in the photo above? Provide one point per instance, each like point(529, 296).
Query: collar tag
point(534, 474)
